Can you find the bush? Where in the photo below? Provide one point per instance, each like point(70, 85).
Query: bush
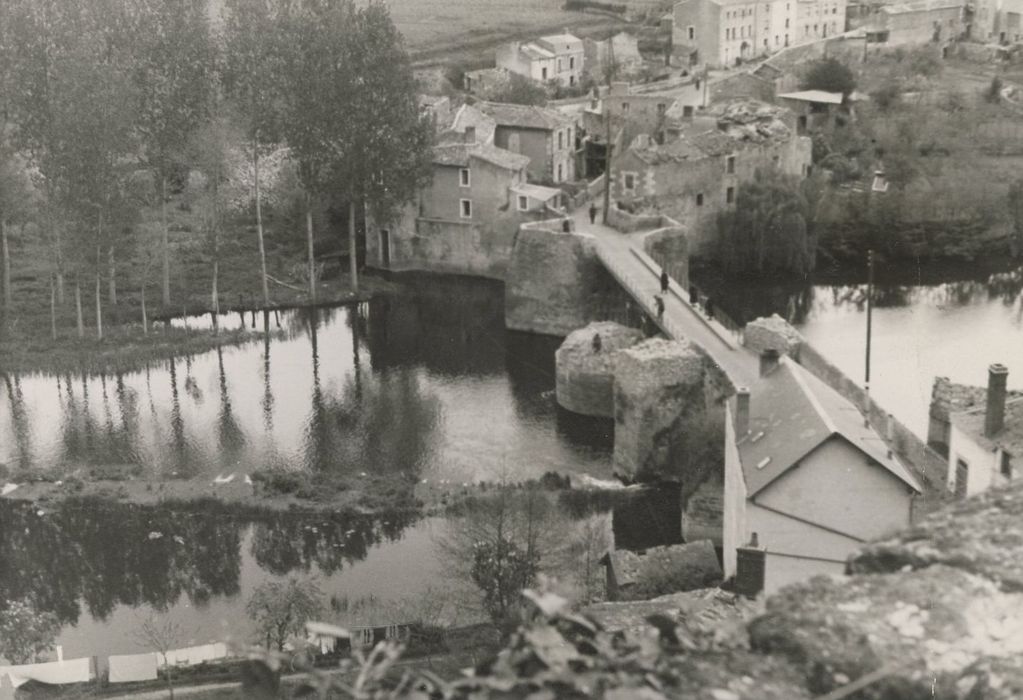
point(887, 96)
point(993, 94)
point(583, 5)
point(830, 75)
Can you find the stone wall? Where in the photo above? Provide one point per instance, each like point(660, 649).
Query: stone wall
point(703, 511)
point(556, 283)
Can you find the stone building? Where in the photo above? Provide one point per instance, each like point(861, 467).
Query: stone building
point(986, 443)
point(627, 59)
point(912, 23)
point(465, 220)
point(997, 21)
point(546, 136)
point(807, 481)
point(657, 113)
point(723, 33)
point(696, 176)
point(556, 57)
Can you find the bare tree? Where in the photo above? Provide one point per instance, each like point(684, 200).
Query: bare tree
point(161, 634)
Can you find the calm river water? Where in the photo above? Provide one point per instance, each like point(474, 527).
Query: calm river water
point(926, 323)
point(428, 382)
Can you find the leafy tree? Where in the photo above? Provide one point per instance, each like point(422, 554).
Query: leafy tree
point(250, 67)
point(26, 632)
point(350, 115)
point(767, 231)
point(173, 65)
point(520, 90)
point(280, 610)
point(831, 75)
point(993, 94)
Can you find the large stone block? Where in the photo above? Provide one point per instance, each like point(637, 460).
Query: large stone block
point(656, 385)
point(585, 373)
point(772, 333)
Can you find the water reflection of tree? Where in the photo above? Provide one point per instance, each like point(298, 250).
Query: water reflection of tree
point(20, 423)
point(383, 426)
point(231, 437)
point(108, 554)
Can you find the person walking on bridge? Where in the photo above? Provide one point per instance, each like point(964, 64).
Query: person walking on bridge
point(664, 281)
point(593, 212)
point(659, 303)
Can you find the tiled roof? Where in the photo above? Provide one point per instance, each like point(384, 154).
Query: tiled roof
point(714, 143)
point(1009, 438)
point(535, 51)
point(523, 116)
point(460, 154)
point(791, 414)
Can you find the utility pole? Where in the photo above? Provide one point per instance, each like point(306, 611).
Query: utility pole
point(870, 295)
point(607, 121)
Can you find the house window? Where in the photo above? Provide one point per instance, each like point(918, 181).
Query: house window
point(692, 33)
point(661, 107)
point(561, 140)
point(630, 181)
point(571, 63)
point(1006, 466)
point(786, 26)
point(466, 208)
point(571, 80)
point(730, 195)
point(559, 65)
point(523, 202)
point(625, 106)
point(687, 110)
point(699, 199)
point(561, 175)
point(463, 177)
point(543, 74)
point(730, 165)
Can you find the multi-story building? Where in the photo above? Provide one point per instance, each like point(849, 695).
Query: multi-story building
point(545, 135)
point(557, 57)
point(726, 32)
point(997, 21)
point(696, 176)
point(465, 219)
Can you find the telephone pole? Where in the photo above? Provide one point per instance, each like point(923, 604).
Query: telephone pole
point(611, 70)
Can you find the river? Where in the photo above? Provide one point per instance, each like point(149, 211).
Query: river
point(926, 322)
point(427, 382)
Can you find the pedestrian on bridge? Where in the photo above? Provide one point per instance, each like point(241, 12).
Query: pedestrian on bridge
point(664, 281)
point(593, 212)
point(659, 303)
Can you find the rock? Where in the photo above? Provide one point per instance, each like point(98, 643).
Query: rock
point(662, 570)
point(941, 633)
point(983, 535)
point(585, 376)
point(702, 612)
point(772, 333)
point(656, 384)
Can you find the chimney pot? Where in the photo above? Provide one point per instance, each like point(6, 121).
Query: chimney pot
point(741, 411)
point(768, 361)
point(994, 414)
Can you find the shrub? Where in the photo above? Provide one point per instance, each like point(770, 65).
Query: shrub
point(831, 75)
point(993, 93)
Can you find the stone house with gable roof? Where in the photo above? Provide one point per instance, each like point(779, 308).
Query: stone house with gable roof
point(546, 136)
point(555, 57)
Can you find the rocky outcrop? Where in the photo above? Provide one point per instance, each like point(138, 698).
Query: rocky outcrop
point(772, 333)
point(707, 610)
point(656, 385)
point(585, 370)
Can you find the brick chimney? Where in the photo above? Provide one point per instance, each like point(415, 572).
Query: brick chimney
point(768, 361)
point(741, 411)
point(470, 134)
point(994, 414)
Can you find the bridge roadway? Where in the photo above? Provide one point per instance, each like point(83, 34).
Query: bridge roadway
point(623, 255)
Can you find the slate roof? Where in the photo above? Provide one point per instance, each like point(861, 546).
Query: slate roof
point(460, 154)
point(1009, 438)
point(819, 96)
point(523, 116)
point(791, 414)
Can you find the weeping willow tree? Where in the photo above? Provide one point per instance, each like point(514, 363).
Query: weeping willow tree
point(769, 230)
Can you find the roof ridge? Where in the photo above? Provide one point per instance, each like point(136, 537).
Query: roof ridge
point(811, 396)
